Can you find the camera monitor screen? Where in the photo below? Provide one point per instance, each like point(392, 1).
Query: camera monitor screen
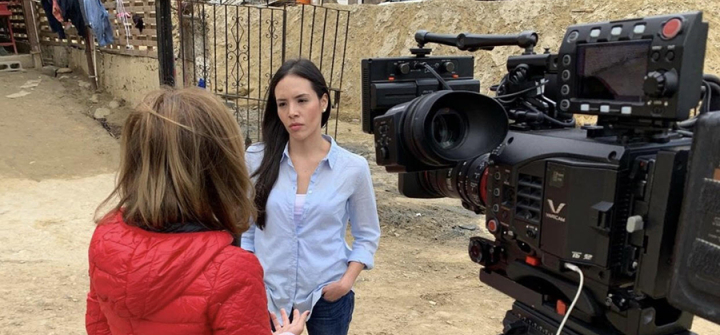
point(612, 71)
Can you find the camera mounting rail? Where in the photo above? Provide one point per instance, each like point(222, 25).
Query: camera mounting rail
point(473, 42)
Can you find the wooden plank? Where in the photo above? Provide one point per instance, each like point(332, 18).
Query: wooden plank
point(61, 43)
point(47, 34)
point(137, 42)
point(133, 9)
point(127, 3)
point(137, 36)
point(146, 31)
point(135, 53)
point(136, 32)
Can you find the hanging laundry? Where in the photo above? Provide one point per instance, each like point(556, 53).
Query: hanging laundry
point(55, 24)
point(138, 20)
point(99, 20)
point(72, 12)
point(123, 16)
point(57, 12)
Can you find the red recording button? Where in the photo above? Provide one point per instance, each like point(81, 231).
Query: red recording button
point(492, 226)
point(672, 28)
point(532, 261)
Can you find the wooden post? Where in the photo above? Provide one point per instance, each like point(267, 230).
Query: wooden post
point(166, 57)
point(186, 50)
point(188, 32)
point(32, 32)
point(89, 43)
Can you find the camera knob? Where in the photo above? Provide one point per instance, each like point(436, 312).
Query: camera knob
point(660, 84)
point(449, 66)
point(404, 68)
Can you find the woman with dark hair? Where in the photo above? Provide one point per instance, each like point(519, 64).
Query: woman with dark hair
point(306, 189)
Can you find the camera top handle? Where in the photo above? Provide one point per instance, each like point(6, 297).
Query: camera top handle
point(474, 42)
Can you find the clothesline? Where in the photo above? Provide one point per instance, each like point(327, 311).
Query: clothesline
point(93, 14)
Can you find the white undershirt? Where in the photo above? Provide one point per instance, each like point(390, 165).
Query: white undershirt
point(299, 203)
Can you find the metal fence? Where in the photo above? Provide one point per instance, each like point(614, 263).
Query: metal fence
point(233, 48)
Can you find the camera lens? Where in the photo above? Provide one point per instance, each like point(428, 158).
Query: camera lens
point(447, 128)
point(461, 182)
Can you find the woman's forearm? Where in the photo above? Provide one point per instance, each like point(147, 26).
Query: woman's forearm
point(352, 272)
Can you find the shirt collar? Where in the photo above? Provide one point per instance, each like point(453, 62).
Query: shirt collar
point(330, 158)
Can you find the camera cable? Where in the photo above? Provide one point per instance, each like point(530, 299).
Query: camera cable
point(685, 133)
point(514, 94)
point(709, 87)
point(439, 78)
point(711, 78)
point(539, 117)
point(575, 268)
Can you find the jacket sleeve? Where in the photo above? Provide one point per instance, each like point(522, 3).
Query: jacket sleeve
point(238, 303)
point(95, 321)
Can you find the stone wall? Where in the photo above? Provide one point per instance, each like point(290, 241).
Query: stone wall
point(384, 31)
point(126, 77)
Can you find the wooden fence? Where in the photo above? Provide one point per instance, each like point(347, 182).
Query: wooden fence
point(136, 43)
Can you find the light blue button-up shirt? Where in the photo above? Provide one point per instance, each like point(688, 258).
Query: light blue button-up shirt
point(299, 259)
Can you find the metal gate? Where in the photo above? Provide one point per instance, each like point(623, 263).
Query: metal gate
point(233, 48)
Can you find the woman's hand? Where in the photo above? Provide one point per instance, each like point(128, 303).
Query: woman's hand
point(296, 327)
point(336, 290)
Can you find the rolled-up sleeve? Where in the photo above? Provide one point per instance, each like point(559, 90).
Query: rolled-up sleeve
point(364, 221)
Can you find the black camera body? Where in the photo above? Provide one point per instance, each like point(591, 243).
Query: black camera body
point(388, 82)
point(638, 68)
point(609, 208)
point(613, 206)
point(391, 86)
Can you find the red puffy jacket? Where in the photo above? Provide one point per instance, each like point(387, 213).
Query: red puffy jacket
point(143, 282)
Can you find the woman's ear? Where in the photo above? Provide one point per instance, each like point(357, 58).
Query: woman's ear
point(324, 102)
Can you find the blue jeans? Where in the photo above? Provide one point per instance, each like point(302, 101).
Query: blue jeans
point(332, 318)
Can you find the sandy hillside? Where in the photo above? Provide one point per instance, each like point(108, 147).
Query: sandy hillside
point(57, 164)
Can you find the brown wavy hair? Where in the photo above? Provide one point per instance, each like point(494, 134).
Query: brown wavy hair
point(183, 160)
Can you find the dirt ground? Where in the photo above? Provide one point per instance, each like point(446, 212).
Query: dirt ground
point(57, 163)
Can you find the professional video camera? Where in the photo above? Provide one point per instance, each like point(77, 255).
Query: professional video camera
point(617, 223)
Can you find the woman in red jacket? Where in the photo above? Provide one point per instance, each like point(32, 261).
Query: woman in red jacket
point(163, 261)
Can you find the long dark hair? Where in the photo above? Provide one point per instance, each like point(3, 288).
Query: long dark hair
point(275, 136)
